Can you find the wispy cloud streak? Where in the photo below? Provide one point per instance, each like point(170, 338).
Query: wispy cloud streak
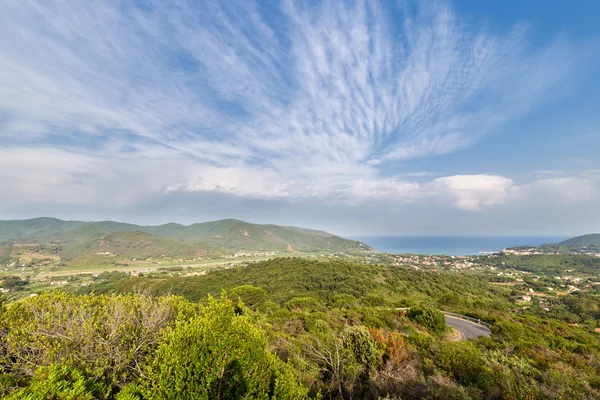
point(292, 101)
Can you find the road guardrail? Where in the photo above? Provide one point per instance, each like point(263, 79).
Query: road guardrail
point(475, 320)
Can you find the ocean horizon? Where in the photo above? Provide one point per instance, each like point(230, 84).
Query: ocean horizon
point(452, 245)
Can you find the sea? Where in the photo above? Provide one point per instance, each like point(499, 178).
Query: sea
point(452, 245)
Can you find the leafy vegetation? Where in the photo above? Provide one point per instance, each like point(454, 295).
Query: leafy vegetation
point(549, 264)
point(132, 245)
point(307, 330)
point(327, 284)
point(428, 317)
point(60, 382)
point(218, 355)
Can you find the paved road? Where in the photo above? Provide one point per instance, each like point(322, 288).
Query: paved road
point(467, 329)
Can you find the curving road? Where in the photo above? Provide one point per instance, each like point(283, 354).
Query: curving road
point(467, 329)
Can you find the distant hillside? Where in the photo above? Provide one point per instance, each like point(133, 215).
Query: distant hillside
point(239, 235)
point(584, 240)
point(31, 229)
point(229, 235)
point(585, 244)
point(132, 245)
point(55, 230)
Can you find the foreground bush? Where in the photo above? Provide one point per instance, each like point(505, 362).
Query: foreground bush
point(314, 318)
point(105, 337)
point(428, 317)
point(60, 382)
point(218, 355)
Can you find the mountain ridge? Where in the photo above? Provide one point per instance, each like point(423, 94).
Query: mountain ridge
point(583, 244)
point(228, 234)
point(590, 239)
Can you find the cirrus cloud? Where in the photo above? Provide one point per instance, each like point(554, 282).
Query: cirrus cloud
point(121, 101)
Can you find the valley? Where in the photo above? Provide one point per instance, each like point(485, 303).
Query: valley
point(47, 252)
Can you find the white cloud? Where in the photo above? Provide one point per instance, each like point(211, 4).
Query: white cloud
point(236, 181)
point(473, 192)
point(312, 102)
point(569, 190)
point(476, 192)
point(58, 176)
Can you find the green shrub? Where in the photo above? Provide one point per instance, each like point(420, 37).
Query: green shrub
point(315, 321)
point(362, 346)
point(428, 317)
point(218, 355)
point(304, 304)
point(464, 362)
point(374, 300)
point(106, 337)
point(343, 301)
point(8, 382)
point(253, 297)
point(130, 392)
point(60, 382)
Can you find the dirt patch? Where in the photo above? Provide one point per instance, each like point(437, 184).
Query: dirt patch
point(454, 336)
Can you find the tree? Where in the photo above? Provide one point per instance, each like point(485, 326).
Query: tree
point(343, 359)
point(428, 317)
point(60, 382)
point(106, 337)
point(14, 283)
point(363, 348)
point(218, 355)
point(304, 304)
point(336, 363)
point(253, 297)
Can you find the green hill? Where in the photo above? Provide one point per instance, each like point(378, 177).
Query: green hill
point(584, 240)
point(239, 235)
point(34, 229)
point(585, 244)
point(229, 235)
point(132, 245)
point(331, 282)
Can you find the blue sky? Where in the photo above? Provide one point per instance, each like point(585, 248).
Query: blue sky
point(362, 118)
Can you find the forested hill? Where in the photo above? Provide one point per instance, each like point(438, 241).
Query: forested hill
point(584, 244)
point(334, 282)
point(227, 234)
point(584, 240)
